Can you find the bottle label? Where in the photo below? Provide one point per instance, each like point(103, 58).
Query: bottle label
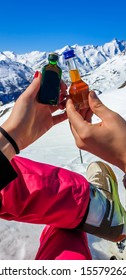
point(50, 85)
point(53, 68)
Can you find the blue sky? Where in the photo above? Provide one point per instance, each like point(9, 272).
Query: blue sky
point(48, 25)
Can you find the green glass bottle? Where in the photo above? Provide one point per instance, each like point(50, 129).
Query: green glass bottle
point(50, 85)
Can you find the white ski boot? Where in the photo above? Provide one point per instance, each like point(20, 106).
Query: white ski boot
point(106, 217)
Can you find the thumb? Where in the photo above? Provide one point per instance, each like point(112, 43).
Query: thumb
point(34, 87)
point(97, 107)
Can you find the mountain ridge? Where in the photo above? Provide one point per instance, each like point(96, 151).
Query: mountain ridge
point(17, 70)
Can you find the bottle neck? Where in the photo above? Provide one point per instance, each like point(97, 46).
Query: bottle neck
point(52, 62)
point(71, 64)
point(73, 71)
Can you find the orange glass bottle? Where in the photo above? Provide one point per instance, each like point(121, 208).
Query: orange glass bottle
point(78, 90)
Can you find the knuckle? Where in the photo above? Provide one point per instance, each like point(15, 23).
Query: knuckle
point(81, 144)
point(85, 134)
point(99, 104)
point(113, 115)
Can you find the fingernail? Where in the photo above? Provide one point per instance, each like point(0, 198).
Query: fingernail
point(36, 74)
point(93, 94)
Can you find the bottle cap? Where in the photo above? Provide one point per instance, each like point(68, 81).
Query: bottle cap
point(69, 54)
point(53, 57)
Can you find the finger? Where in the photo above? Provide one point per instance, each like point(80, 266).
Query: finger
point(53, 108)
point(86, 114)
point(75, 118)
point(83, 112)
point(79, 142)
point(33, 88)
point(89, 115)
point(62, 95)
point(63, 86)
point(62, 105)
point(59, 118)
point(98, 107)
point(73, 131)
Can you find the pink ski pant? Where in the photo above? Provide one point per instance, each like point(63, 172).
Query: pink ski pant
point(45, 194)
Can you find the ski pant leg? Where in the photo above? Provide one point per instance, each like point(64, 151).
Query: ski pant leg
point(63, 244)
point(44, 194)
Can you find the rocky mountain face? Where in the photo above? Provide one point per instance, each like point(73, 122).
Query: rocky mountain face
point(14, 78)
point(103, 67)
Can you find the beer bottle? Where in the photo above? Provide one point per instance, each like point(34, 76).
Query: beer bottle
point(78, 90)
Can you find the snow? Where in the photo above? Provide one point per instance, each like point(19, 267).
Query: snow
point(20, 241)
point(93, 62)
point(109, 75)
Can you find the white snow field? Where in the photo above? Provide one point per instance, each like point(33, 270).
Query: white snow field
point(20, 241)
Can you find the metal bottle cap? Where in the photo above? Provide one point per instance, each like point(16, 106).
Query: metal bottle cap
point(53, 57)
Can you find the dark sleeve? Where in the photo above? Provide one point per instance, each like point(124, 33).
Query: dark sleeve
point(7, 172)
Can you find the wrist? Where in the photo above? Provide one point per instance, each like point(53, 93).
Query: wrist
point(6, 148)
point(14, 133)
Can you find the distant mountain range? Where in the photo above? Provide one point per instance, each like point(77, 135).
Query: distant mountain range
point(103, 67)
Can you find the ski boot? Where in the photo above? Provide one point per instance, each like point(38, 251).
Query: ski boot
point(106, 217)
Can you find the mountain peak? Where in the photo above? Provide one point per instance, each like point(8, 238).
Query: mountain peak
point(16, 71)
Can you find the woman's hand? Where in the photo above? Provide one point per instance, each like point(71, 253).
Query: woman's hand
point(29, 119)
point(106, 139)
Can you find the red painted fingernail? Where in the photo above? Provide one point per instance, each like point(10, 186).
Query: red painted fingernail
point(36, 74)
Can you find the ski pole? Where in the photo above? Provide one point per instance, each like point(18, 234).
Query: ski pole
point(81, 158)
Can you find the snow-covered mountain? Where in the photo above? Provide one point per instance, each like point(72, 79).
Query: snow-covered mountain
point(14, 77)
point(103, 67)
point(105, 72)
point(109, 75)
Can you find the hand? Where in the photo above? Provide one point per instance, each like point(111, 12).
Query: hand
point(106, 139)
point(63, 95)
point(29, 119)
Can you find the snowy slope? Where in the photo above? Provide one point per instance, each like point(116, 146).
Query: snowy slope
point(109, 75)
point(20, 241)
